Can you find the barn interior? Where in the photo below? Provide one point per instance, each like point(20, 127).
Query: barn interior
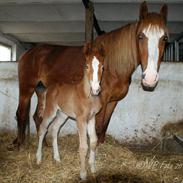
point(63, 21)
point(132, 151)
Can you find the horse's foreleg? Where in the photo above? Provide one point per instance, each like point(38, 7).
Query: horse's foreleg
point(83, 146)
point(103, 119)
point(93, 143)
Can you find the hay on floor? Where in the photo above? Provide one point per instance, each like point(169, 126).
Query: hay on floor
point(115, 164)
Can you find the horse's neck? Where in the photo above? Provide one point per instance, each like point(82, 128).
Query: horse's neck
point(122, 53)
point(84, 85)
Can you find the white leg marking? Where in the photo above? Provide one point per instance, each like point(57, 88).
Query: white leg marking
point(54, 127)
point(83, 147)
point(39, 150)
point(42, 131)
point(93, 143)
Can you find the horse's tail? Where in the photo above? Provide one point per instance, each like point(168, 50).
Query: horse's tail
point(41, 94)
point(40, 87)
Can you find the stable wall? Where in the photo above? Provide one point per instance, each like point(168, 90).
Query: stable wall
point(137, 119)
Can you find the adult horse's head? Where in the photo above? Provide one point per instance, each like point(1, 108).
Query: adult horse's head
point(152, 35)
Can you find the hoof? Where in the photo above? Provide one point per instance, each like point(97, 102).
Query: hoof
point(93, 168)
point(101, 140)
point(38, 159)
point(57, 159)
point(12, 147)
point(83, 175)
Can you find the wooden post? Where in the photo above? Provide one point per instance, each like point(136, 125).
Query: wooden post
point(89, 22)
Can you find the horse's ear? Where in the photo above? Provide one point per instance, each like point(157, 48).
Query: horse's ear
point(164, 12)
point(143, 10)
point(87, 49)
point(101, 50)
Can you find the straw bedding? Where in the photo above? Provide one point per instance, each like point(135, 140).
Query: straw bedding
point(115, 164)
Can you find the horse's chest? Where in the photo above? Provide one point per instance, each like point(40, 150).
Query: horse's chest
point(95, 107)
point(116, 88)
point(119, 91)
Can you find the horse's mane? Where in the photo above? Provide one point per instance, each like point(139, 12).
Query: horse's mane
point(120, 46)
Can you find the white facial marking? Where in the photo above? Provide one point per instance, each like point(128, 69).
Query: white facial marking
point(95, 82)
point(153, 34)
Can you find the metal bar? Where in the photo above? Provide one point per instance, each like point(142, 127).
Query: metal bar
point(169, 54)
point(179, 37)
point(176, 51)
point(171, 47)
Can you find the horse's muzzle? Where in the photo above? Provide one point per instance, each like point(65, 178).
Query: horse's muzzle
point(149, 82)
point(148, 87)
point(96, 91)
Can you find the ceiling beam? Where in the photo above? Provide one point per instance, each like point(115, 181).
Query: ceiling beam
point(78, 1)
point(72, 27)
point(76, 12)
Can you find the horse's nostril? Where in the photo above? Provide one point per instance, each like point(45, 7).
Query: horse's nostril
point(98, 90)
point(156, 77)
point(143, 76)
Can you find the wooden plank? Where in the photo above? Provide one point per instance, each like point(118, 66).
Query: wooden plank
point(89, 23)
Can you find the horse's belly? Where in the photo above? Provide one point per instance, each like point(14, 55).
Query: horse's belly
point(68, 108)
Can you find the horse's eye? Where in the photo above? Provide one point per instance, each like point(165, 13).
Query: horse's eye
point(165, 38)
point(141, 36)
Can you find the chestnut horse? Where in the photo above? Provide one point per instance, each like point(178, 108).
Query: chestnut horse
point(141, 43)
point(39, 68)
point(77, 101)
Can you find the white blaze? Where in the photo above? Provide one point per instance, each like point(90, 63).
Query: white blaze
point(153, 34)
point(95, 82)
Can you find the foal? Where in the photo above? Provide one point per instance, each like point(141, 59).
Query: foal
point(78, 101)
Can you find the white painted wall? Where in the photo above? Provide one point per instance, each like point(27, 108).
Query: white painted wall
point(137, 119)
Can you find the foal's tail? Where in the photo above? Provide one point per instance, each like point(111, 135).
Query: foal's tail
point(40, 87)
point(41, 94)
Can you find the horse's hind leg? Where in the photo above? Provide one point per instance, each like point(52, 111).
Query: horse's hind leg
point(38, 115)
point(58, 122)
point(23, 115)
point(49, 115)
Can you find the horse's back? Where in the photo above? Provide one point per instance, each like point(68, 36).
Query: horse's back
point(66, 65)
point(50, 64)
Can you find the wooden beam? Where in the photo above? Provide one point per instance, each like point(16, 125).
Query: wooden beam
point(95, 21)
point(89, 22)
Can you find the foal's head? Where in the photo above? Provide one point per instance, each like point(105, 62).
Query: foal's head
point(152, 35)
point(94, 66)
